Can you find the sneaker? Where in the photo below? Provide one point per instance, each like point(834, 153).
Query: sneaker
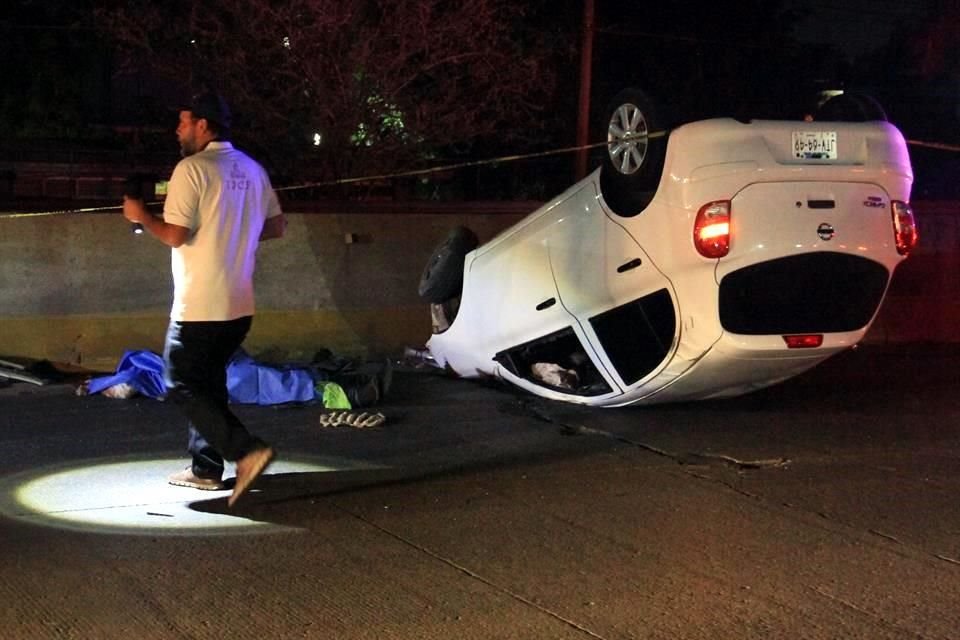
point(249, 468)
point(366, 394)
point(187, 478)
point(370, 389)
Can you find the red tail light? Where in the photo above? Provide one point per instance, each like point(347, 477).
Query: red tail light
point(711, 231)
point(904, 227)
point(808, 341)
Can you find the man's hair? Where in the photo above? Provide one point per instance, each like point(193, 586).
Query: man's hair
point(219, 131)
point(214, 109)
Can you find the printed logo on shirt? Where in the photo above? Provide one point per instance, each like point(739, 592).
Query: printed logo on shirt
point(238, 179)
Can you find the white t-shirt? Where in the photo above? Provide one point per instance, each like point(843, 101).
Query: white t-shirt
point(223, 196)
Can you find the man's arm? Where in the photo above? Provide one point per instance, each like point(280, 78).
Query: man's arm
point(171, 235)
point(274, 227)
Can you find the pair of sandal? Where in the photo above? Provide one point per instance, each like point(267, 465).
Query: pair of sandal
point(248, 469)
point(352, 419)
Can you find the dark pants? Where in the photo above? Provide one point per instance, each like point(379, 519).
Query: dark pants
point(196, 356)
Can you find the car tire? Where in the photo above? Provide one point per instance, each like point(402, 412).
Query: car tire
point(442, 278)
point(851, 106)
point(631, 169)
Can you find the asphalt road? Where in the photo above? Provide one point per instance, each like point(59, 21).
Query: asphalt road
point(826, 507)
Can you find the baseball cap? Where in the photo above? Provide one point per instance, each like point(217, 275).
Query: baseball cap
point(210, 106)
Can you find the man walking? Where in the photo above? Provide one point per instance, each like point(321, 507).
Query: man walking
point(219, 205)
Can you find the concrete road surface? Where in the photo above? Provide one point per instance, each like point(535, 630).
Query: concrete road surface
point(827, 507)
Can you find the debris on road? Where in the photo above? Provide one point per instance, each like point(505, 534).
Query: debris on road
point(22, 373)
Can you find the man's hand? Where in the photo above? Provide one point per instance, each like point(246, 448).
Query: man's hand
point(274, 227)
point(169, 234)
point(135, 211)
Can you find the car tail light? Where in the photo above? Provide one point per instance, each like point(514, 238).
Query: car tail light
point(807, 341)
point(904, 227)
point(711, 231)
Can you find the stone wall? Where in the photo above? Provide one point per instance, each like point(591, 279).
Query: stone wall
point(81, 288)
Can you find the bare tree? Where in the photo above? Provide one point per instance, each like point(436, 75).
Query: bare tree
point(351, 86)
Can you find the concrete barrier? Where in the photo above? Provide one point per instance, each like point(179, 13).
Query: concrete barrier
point(81, 289)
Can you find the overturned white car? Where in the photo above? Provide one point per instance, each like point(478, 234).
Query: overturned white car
point(723, 258)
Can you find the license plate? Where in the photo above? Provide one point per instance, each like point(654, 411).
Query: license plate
point(815, 145)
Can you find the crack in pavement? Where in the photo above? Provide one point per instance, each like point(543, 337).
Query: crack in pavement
point(696, 458)
point(869, 614)
point(687, 458)
point(472, 574)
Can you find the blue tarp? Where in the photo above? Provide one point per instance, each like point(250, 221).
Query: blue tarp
point(247, 381)
point(251, 383)
point(143, 370)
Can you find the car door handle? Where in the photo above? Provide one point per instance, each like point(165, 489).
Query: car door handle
point(627, 266)
point(546, 304)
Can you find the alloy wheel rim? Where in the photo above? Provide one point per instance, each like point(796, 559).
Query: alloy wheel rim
point(627, 139)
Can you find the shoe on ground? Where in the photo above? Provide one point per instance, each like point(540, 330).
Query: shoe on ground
point(187, 478)
point(366, 394)
point(249, 468)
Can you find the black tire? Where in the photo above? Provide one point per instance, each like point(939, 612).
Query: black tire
point(442, 278)
point(631, 169)
point(851, 106)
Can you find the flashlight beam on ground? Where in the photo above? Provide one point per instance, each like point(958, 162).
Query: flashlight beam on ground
point(132, 496)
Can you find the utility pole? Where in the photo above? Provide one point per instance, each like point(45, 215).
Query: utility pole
point(583, 105)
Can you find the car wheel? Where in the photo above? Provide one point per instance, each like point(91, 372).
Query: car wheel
point(633, 162)
point(851, 106)
point(442, 278)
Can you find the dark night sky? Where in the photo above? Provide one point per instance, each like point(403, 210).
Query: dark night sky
point(857, 27)
point(854, 28)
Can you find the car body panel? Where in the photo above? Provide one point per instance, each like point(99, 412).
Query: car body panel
point(776, 219)
point(597, 266)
